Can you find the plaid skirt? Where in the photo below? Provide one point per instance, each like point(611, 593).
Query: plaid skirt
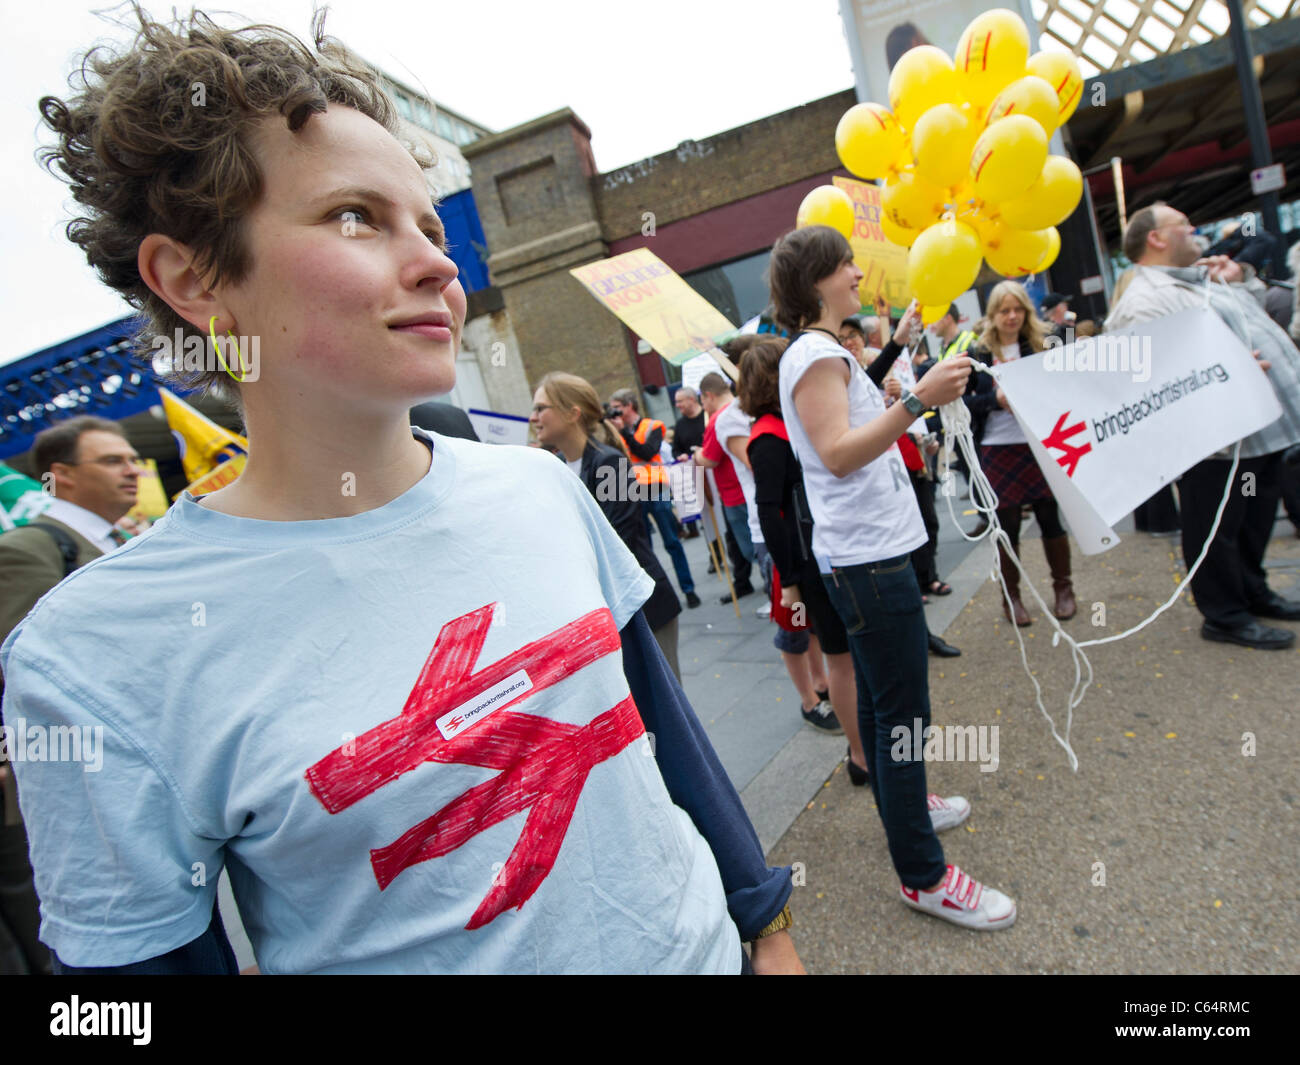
point(1014, 474)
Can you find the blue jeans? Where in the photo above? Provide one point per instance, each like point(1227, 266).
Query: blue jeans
point(738, 522)
point(662, 512)
point(880, 604)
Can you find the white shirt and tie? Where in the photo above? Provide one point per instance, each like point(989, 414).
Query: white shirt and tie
point(94, 528)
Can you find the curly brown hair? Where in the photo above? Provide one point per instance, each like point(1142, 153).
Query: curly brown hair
point(759, 388)
point(159, 139)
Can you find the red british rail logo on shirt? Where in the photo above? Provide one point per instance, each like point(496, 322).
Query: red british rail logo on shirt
point(543, 764)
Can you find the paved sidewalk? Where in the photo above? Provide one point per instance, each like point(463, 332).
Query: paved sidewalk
point(1196, 836)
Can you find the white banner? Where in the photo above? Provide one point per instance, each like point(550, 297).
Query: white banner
point(493, 427)
point(1112, 419)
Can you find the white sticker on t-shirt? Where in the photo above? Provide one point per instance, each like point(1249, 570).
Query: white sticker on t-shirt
point(471, 713)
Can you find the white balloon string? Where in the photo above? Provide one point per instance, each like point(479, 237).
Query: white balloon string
point(956, 420)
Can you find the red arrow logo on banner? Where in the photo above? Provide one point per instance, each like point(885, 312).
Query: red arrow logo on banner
point(1059, 438)
point(544, 764)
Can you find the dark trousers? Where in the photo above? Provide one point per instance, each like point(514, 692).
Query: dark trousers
point(1045, 510)
point(1159, 513)
point(1291, 494)
point(21, 951)
point(1231, 579)
point(880, 606)
point(923, 558)
point(661, 510)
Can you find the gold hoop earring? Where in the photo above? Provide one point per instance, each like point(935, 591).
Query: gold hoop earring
point(212, 332)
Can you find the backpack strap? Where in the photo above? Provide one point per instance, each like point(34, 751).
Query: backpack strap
point(67, 546)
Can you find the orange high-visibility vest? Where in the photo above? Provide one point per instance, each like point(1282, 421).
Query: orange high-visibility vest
point(649, 471)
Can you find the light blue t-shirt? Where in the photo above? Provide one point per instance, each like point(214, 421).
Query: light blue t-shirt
point(406, 733)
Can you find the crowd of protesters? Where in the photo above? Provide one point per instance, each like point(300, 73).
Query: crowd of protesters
point(477, 610)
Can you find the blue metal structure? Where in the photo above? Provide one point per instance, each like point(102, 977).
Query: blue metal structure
point(465, 241)
point(94, 373)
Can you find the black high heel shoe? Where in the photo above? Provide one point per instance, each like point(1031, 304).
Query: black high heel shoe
point(857, 777)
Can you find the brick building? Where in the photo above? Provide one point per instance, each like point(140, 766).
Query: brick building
point(710, 209)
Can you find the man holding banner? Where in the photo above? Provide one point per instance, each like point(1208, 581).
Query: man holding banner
point(1230, 587)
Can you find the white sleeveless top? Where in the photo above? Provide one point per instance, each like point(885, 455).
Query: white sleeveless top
point(872, 513)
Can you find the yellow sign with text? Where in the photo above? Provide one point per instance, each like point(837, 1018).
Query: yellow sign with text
point(882, 262)
point(656, 304)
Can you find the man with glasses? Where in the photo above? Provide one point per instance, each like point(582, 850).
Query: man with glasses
point(92, 472)
point(1170, 275)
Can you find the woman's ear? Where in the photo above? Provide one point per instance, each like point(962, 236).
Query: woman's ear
point(168, 268)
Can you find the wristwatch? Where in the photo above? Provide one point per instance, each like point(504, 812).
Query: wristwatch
point(780, 923)
point(913, 403)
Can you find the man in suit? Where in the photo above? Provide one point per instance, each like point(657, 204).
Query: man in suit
point(92, 471)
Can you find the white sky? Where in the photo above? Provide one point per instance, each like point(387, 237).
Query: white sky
point(643, 76)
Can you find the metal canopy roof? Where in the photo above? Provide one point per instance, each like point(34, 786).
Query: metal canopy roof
point(1178, 125)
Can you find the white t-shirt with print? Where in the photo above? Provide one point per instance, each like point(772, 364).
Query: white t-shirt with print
point(1001, 426)
point(732, 421)
point(407, 733)
point(871, 514)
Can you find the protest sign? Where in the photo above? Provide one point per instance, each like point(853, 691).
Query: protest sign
point(656, 304)
point(882, 262)
point(1112, 419)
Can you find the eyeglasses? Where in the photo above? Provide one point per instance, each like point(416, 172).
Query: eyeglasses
point(539, 407)
point(111, 462)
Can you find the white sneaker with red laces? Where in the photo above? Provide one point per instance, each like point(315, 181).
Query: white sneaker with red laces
point(947, 813)
point(965, 901)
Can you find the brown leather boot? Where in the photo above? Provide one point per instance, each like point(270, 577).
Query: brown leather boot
point(1012, 576)
point(1057, 550)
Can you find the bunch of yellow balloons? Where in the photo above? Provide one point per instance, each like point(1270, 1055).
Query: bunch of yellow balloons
point(962, 152)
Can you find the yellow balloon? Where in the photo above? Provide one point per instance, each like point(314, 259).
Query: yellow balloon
point(911, 202)
point(1015, 252)
point(827, 205)
point(943, 263)
point(987, 227)
point(1050, 200)
point(1061, 71)
point(897, 234)
point(963, 197)
point(868, 140)
point(942, 143)
point(902, 161)
point(1053, 250)
point(922, 78)
point(1008, 158)
point(991, 54)
point(1031, 96)
point(930, 315)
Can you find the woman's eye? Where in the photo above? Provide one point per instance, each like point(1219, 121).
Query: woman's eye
point(351, 217)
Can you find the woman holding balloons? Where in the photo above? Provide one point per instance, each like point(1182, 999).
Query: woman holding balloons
point(1014, 331)
point(866, 525)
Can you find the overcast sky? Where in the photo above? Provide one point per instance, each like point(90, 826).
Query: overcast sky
point(643, 76)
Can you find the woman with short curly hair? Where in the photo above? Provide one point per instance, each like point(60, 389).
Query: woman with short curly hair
point(399, 683)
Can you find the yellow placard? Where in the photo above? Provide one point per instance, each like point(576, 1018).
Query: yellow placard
point(882, 262)
point(150, 499)
point(204, 445)
point(218, 478)
point(656, 304)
